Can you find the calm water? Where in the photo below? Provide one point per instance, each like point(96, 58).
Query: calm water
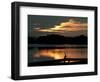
point(45, 54)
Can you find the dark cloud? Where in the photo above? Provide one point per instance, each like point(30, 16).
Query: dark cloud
point(68, 26)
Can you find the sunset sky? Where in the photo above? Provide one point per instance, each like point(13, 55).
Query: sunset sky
point(39, 25)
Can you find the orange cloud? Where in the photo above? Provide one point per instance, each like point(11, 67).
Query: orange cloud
point(71, 25)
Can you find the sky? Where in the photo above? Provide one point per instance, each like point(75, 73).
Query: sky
point(41, 25)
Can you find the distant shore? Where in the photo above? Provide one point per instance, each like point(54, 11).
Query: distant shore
point(56, 46)
point(58, 39)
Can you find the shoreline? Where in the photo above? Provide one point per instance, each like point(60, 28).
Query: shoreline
point(60, 62)
point(56, 46)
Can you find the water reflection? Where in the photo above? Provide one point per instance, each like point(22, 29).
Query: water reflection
point(42, 56)
point(58, 53)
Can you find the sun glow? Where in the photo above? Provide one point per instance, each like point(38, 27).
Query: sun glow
point(70, 25)
point(59, 53)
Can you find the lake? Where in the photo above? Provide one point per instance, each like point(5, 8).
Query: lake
point(51, 53)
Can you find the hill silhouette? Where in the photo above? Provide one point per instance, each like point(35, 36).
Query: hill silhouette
point(57, 39)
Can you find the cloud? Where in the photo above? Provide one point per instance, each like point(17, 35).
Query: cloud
point(71, 25)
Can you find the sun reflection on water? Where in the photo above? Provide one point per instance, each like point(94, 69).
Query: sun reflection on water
point(59, 53)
